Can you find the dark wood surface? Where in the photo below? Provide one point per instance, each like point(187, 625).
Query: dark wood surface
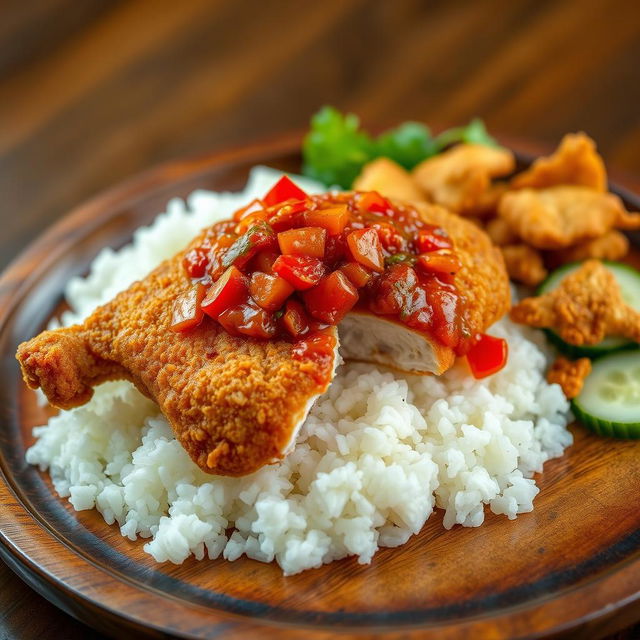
point(92, 92)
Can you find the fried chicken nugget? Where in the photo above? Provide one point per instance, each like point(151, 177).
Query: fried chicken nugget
point(586, 307)
point(560, 217)
point(460, 178)
point(574, 162)
point(613, 245)
point(500, 232)
point(389, 179)
point(524, 264)
point(570, 375)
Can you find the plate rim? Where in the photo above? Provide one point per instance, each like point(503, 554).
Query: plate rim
point(39, 572)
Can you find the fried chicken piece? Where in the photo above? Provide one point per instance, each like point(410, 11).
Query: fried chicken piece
point(613, 245)
point(460, 178)
point(486, 208)
point(586, 307)
point(500, 232)
point(524, 264)
point(389, 179)
point(234, 404)
point(570, 375)
point(574, 162)
point(560, 217)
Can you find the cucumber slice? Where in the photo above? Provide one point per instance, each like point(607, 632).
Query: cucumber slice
point(609, 403)
point(628, 279)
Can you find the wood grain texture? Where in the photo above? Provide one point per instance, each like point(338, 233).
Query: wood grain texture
point(574, 563)
point(92, 92)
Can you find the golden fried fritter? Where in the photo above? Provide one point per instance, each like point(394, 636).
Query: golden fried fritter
point(460, 178)
point(613, 245)
point(586, 307)
point(574, 162)
point(524, 264)
point(570, 375)
point(500, 232)
point(389, 179)
point(559, 217)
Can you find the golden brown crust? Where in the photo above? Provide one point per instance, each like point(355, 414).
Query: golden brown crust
point(500, 232)
point(574, 162)
point(524, 264)
point(460, 178)
point(559, 217)
point(570, 375)
point(586, 307)
point(389, 179)
point(613, 245)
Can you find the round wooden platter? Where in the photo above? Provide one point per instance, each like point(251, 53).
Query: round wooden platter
point(570, 566)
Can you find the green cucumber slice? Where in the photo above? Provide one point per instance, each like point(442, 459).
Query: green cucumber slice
point(609, 402)
point(628, 279)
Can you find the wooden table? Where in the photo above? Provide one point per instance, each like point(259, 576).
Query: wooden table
point(94, 91)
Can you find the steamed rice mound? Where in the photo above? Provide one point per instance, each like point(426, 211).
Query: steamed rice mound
point(378, 452)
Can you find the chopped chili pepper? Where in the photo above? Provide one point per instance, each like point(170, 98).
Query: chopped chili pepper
point(487, 356)
point(299, 271)
point(331, 299)
point(187, 312)
point(229, 290)
point(364, 245)
point(306, 241)
point(282, 191)
point(269, 291)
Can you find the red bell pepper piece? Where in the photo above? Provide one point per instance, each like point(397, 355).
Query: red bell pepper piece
point(331, 299)
point(282, 191)
point(299, 271)
point(373, 201)
point(487, 356)
point(228, 291)
point(196, 262)
point(365, 247)
point(187, 312)
point(433, 239)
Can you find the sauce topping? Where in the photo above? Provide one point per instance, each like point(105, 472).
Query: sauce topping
point(289, 265)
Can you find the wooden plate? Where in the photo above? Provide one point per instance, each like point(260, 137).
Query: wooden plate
point(574, 563)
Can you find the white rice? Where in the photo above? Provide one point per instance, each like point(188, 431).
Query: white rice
point(377, 454)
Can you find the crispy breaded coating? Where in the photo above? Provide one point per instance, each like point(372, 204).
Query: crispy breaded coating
point(613, 245)
point(586, 307)
point(500, 232)
point(389, 179)
point(574, 162)
point(459, 178)
point(233, 402)
point(559, 217)
point(486, 208)
point(524, 264)
point(570, 375)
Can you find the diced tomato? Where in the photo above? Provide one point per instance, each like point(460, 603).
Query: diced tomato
point(446, 312)
point(196, 261)
point(229, 290)
point(269, 291)
point(335, 249)
point(331, 299)
point(187, 313)
point(432, 239)
point(393, 292)
point(264, 261)
point(248, 319)
point(282, 191)
point(487, 356)
point(365, 247)
point(253, 207)
point(334, 219)
point(320, 349)
point(442, 262)
point(295, 318)
point(358, 275)
point(373, 201)
point(258, 238)
point(391, 239)
point(299, 271)
point(306, 241)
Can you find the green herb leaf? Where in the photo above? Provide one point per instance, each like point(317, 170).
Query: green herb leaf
point(399, 258)
point(408, 144)
point(474, 133)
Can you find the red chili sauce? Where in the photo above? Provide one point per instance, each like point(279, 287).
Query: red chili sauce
point(289, 265)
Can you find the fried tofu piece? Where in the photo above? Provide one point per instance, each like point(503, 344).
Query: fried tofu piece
point(613, 245)
point(460, 178)
point(570, 375)
point(586, 307)
point(574, 162)
point(524, 264)
point(500, 232)
point(560, 217)
point(390, 180)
